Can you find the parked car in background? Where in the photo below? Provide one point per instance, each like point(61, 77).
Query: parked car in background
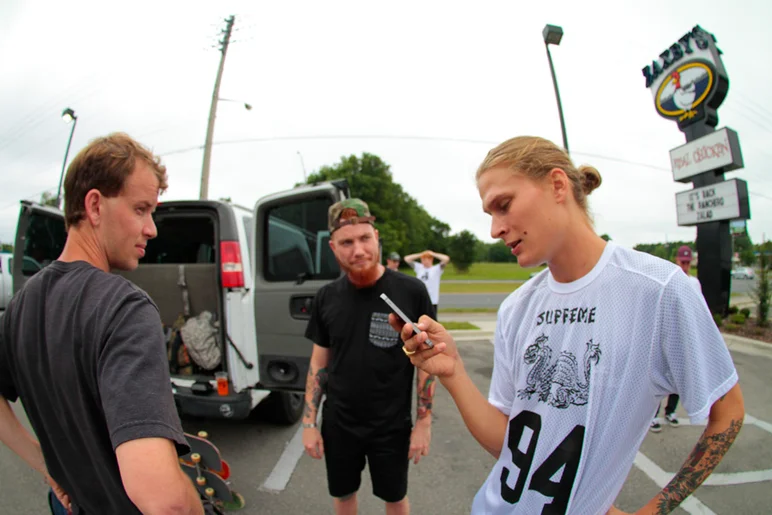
point(6, 280)
point(744, 272)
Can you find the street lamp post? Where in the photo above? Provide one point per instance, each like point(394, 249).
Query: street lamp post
point(68, 115)
point(552, 36)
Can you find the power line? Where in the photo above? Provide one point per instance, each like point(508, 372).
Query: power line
point(391, 137)
point(412, 138)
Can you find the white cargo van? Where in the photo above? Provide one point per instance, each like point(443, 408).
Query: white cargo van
point(255, 270)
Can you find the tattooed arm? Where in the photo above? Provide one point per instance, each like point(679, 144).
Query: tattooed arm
point(726, 419)
point(421, 436)
point(425, 385)
point(316, 384)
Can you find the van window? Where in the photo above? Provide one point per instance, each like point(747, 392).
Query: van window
point(183, 240)
point(43, 242)
point(298, 242)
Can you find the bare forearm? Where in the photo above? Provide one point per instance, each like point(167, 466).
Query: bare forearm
point(18, 439)
point(425, 395)
point(714, 443)
point(180, 498)
point(486, 423)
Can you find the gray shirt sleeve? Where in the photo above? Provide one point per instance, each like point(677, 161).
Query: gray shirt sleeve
point(133, 376)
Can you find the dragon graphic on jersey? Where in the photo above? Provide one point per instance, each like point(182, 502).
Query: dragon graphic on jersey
point(558, 384)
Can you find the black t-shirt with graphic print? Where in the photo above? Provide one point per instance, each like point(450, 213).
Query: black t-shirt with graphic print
point(370, 380)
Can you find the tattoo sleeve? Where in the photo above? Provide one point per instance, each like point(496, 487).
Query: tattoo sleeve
point(316, 385)
point(705, 456)
point(425, 392)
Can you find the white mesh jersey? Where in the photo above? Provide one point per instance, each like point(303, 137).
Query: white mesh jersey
point(580, 369)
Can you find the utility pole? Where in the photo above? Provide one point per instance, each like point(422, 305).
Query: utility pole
point(213, 110)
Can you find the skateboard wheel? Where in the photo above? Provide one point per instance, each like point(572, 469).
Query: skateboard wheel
point(196, 457)
point(203, 434)
point(200, 481)
point(209, 492)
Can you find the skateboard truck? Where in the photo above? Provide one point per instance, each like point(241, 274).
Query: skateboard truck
point(200, 479)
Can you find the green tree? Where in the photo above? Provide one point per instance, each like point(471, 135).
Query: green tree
point(663, 250)
point(462, 250)
point(744, 248)
point(499, 252)
point(48, 199)
point(6, 247)
point(762, 293)
point(403, 224)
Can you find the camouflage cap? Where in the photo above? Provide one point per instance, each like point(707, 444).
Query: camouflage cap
point(394, 256)
point(348, 212)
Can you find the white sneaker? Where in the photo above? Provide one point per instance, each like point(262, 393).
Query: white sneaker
point(655, 426)
point(672, 419)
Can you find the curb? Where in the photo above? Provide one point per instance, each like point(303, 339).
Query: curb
point(471, 334)
point(732, 339)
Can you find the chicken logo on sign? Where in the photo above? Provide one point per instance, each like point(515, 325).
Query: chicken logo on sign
point(688, 80)
point(682, 92)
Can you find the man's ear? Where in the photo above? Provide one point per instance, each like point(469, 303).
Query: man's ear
point(332, 243)
point(94, 206)
point(559, 184)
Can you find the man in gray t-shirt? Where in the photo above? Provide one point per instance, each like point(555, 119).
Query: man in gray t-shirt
point(84, 351)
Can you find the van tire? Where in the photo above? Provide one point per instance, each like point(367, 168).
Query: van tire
point(284, 407)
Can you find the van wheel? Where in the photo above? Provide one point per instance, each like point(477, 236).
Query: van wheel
point(284, 407)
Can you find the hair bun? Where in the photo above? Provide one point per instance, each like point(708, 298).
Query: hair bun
point(590, 178)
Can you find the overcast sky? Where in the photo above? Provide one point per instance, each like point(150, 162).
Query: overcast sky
point(430, 87)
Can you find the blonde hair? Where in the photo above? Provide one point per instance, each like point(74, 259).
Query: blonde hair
point(105, 164)
point(534, 157)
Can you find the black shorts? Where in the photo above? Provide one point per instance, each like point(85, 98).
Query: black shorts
point(345, 455)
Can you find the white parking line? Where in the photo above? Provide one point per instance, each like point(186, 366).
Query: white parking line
point(661, 478)
point(766, 426)
point(281, 473)
point(739, 478)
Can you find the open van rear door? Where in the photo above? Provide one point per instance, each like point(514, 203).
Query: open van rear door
point(40, 238)
point(292, 261)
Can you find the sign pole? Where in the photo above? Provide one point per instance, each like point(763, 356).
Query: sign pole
point(714, 242)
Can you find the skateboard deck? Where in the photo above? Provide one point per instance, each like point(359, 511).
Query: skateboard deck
point(210, 457)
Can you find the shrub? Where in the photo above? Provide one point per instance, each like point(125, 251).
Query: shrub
point(731, 327)
point(717, 318)
point(733, 310)
point(737, 318)
point(762, 293)
point(757, 331)
point(746, 312)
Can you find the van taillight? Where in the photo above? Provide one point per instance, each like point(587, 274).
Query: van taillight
point(232, 270)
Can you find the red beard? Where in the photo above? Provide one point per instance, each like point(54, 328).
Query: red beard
point(363, 277)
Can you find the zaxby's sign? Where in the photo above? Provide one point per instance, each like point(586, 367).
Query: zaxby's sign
point(688, 80)
point(718, 150)
point(725, 200)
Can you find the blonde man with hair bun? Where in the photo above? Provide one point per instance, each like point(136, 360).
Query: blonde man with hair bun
point(583, 352)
